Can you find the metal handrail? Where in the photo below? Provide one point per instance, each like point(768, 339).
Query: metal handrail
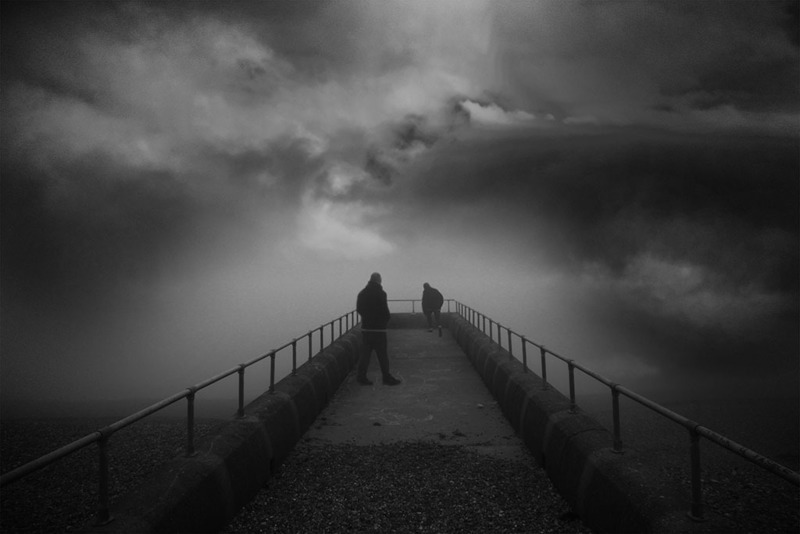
point(696, 431)
point(477, 319)
point(102, 436)
point(414, 302)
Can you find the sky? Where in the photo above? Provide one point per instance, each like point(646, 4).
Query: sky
point(188, 185)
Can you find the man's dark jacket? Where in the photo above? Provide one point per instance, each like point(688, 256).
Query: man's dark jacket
point(372, 306)
point(431, 299)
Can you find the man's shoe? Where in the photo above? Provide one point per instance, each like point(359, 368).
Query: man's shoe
point(390, 381)
point(364, 381)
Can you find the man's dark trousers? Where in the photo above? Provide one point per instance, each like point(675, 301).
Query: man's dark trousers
point(373, 341)
point(433, 314)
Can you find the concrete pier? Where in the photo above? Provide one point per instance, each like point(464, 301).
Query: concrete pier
point(457, 389)
point(441, 402)
point(441, 399)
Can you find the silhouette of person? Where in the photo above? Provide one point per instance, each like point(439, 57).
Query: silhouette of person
point(373, 308)
point(432, 302)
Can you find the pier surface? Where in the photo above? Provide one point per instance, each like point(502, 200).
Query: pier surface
point(470, 470)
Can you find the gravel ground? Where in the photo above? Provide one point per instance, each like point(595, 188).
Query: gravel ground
point(405, 487)
point(63, 496)
point(424, 487)
point(738, 496)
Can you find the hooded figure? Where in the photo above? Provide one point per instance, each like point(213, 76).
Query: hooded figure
point(373, 308)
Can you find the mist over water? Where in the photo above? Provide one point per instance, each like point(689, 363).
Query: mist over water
point(186, 187)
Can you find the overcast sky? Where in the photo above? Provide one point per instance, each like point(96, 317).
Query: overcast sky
point(186, 185)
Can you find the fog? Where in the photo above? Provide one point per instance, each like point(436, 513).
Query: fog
point(187, 186)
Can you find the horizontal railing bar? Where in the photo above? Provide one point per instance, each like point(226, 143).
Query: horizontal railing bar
point(749, 454)
point(692, 426)
point(257, 359)
point(141, 414)
point(49, 458)
point(666, 412)
point(107, 431)
point(416, 300)
point(596, 376)
point(214, 379)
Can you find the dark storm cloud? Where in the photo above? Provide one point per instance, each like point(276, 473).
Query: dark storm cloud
point(87, 235)
point(614, 61)
point(758, 71)
point(97, 187)
point(401, 144)
point(589, 184)
point(173, 156)
point(687, 244)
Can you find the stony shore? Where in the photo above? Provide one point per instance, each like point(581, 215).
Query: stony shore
point(386, 486)
point(424, 487)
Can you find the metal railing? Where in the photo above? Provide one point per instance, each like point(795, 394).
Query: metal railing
point(345, 323)
point(102, 436)
point(415, 301)
point(696, 431)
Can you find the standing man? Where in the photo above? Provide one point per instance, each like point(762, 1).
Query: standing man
point(374, 310)
point(432, 302)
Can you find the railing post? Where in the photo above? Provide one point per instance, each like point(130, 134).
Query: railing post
point(696, 513)
point(524, 354)
point(572, 404)
point(332, 338)
point(294, 356)
point(617, 430)
point(190, 422)
point(510, 348)
point(321, 339)
point(310, 342)
point(491, 329)
point(103, 515)
point(499, 336)
point(240, 411)
point(272, 371)
point(543, 353)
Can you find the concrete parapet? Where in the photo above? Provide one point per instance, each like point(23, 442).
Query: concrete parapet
point(203, 492)
point(611, 492)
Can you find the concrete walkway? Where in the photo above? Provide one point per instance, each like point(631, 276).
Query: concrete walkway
point(441, 399)
point(374, 459)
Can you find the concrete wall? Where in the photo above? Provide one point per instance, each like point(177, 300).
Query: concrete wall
point(202, 493)
point(611, 492)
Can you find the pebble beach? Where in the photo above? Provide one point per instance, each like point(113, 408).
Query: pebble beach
point(414, 487)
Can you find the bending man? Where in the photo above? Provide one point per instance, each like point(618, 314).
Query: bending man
point(432, 302)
